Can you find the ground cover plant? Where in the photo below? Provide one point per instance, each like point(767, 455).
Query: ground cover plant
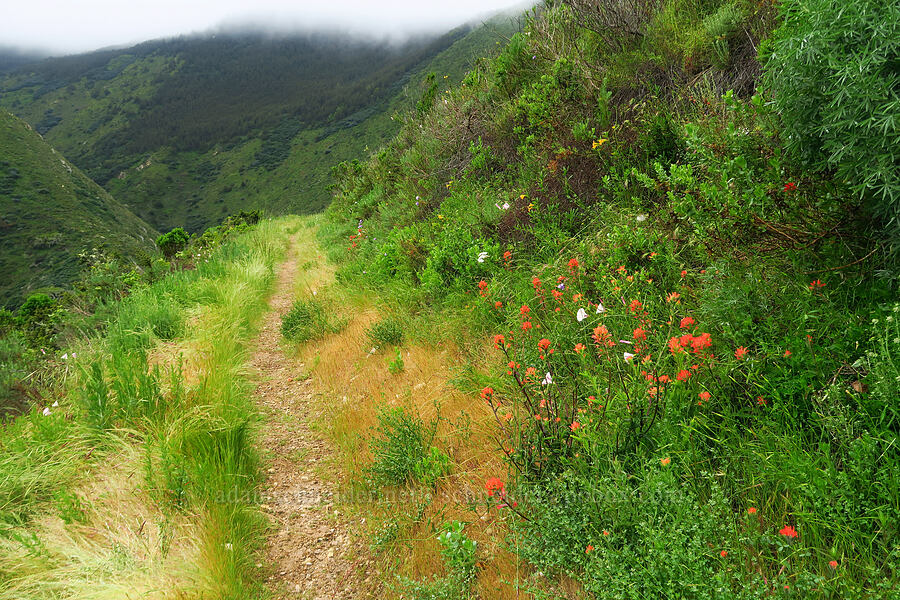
point(694, 388)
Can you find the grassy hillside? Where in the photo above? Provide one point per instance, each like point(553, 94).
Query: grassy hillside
point(677, 320)
point(50, 212)
point(187, 131)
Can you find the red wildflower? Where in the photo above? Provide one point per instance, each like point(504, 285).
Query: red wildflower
point(817, 284)
point(507, 255)
point(498, 305)
point(536, 283)
point(526, 325)
point(684, 273)
point(687, 322)
point(683, 375)
point(579, 348)
point(760, 401)
point(495, 485)
point(575, 426)
point(588, 549)
point(701, 342)
point(605, 532)
point(751, 510)
point(723, 553)
point(665, 461)
point(833, 564)
point(635, 305)
point(544, 344)
point(487, 393)
point(704, 396)
point(524, 310)
point(499, 340)
point(686, 340)
point(602, 337)
point(740, 353)
point(482, 285)
point(673, 297)
point(787, 353)
point(788, 531)
point(790, 186)
point(573, 265)
point(675, 346)
point(639, 335)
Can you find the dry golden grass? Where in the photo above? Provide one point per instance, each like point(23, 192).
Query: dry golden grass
point(118, 548)
point(355, 383)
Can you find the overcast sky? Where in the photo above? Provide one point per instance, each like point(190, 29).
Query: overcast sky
point(66, 26)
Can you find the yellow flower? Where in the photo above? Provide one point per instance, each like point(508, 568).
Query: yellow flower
point(531, 207)
point(440, 216)
point(598, 143)
point(522, 197)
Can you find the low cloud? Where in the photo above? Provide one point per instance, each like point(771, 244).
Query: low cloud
point(62, 26)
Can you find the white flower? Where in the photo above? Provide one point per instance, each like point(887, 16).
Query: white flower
point(55, 404)
point(547, 379)
point(228, 546)
point(74, 355)
point(482, 256)
point(582, 315)
point(46, 412)
point(628, 356)
point(505, 206)
point(600, 308)
point(65, 356)
point(641, 218)
point(624, 342)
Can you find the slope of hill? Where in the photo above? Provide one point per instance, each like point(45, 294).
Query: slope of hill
point(186, 131)
point(50, 212)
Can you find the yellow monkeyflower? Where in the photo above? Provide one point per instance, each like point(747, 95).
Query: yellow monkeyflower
point(522, 197)
point(531, 207)
point(598, 143)
point(440, 216)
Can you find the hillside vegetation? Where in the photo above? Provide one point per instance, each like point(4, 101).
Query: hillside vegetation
point(675, 223)
point(50, 213)
point(189, 130)
point(615, 317)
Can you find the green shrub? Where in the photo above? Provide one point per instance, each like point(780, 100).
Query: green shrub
point(171, 243)
point(38, 319)
point(460, 554)
point(458, 551)
point(402, 449)
point(832, 69)
point(396, 365)
point(305, 321)
point(387, 332)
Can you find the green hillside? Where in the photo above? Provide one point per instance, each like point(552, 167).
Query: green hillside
point(186, 131)
point(50, 212)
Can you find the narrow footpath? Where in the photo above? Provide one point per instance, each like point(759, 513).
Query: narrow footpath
point(310, 554)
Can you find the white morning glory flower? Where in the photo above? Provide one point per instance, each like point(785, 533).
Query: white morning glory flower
point(482, 256)
point(548, 379)
point(582, 315)
point(628, 356)
point(600, 308)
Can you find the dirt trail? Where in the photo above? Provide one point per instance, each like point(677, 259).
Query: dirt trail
point(310, 552)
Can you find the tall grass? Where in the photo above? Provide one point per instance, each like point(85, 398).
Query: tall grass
point(161, 412)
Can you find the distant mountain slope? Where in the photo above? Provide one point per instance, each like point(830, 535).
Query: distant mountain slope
point(50, 212)
point(186, 131)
